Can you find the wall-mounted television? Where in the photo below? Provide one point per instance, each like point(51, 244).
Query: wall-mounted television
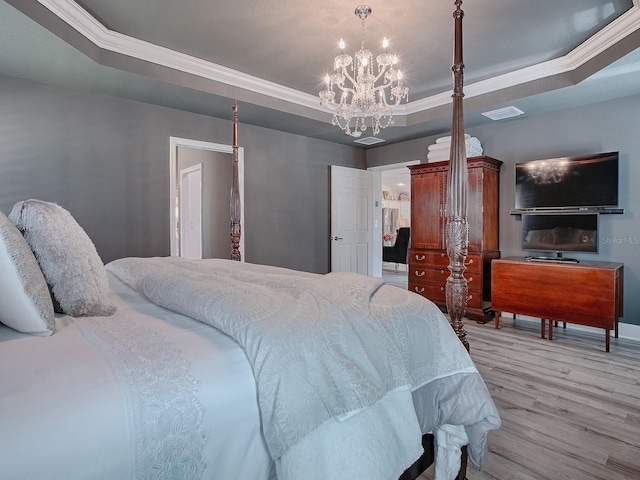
point(560, 232)
point(585, 182)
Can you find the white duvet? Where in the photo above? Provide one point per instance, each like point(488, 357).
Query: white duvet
point(335, 357)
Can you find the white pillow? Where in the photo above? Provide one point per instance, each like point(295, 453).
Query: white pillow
point(25, 302)
point(67, 257)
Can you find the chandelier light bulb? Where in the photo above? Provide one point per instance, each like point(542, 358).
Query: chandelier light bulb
point(363, 98)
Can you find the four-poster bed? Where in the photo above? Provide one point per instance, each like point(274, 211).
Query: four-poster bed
point(302, 375)
point(456, 224)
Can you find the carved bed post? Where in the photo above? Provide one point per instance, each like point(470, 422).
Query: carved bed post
point(234, 204)
point(457, 229)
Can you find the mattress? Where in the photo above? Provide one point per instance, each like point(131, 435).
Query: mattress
point(150, 394)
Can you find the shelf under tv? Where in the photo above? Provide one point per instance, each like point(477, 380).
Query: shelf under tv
point(601, 210)
point(557, 259)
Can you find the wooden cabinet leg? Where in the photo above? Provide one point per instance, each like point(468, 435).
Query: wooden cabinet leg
point(542, 328)
point(496, 317)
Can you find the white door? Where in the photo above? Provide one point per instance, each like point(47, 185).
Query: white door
point(351, 220)
point(191, 212)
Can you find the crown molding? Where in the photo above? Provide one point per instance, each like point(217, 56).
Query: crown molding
point(80, 20)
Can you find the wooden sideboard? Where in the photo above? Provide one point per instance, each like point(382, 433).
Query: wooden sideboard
point(586, 293)
point(428, 260)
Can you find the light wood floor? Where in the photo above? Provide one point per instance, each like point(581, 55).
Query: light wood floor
point(569, 410)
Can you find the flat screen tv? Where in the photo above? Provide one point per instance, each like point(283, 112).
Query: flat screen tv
point(589, 181)
point(560, 232)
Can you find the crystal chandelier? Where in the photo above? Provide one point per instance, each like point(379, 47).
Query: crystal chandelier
point(368, 95)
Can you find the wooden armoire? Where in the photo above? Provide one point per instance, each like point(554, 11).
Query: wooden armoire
point(428, 260)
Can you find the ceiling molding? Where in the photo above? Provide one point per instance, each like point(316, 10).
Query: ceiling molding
point(80, 20)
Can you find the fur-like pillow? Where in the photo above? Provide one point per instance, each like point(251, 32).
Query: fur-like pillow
point(67, 257)
point(25, 303)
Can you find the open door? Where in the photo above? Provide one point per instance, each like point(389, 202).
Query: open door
point(351, 220)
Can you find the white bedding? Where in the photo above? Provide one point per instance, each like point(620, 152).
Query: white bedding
point(79, 405)
point(64, 412)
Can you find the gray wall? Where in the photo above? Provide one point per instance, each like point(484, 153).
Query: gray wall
point(602, 127)
point(106, 160)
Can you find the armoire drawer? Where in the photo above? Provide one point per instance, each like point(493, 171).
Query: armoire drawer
point(439, 276)
point(437, 293)
point(439, 259)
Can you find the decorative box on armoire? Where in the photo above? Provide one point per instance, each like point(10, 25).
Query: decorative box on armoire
point(428, 260)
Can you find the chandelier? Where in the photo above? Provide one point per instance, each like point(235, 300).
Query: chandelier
point(364, 92)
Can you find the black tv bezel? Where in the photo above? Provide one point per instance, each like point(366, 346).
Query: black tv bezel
point(558, 252)
point(587, 208)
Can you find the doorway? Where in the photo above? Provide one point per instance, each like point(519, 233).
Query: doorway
point(216, 160)
point(395, 180)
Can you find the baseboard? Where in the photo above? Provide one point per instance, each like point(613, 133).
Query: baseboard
point(625, 330)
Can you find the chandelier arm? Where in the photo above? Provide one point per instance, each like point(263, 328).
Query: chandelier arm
point(382, 72)
point(343, 90)
point(349, 77)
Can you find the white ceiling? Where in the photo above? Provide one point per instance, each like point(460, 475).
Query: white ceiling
point(271, 55)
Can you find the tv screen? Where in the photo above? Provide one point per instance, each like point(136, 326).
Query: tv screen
point(563, 232)
point(568, 182)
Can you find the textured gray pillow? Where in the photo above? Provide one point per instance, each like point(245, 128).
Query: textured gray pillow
point(25, 303)
point(67, 257)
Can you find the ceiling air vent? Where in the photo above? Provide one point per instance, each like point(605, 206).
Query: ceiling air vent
point(369, 140)
point(502, 113)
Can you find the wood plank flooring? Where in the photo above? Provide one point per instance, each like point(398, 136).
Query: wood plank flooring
point(569, 410)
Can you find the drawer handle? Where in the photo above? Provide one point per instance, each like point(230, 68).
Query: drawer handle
point(470, 280)
point(419, 289)
point(420, 274)
point(442, 254)
point(420, 258)
point(441, 289)
point(469, 262)
point(441, 272)
point(470, 297)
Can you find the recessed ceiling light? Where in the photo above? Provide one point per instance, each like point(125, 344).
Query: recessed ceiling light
point(502, 113)
point(369, 140)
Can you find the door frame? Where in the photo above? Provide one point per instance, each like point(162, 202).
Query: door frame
point(174, 143)
point(377, 210)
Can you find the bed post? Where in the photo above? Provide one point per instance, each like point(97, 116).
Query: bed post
point(457, 228)
point(234, 204)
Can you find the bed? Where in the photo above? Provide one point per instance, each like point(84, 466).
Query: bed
point(151, 393)
point(168, 368)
